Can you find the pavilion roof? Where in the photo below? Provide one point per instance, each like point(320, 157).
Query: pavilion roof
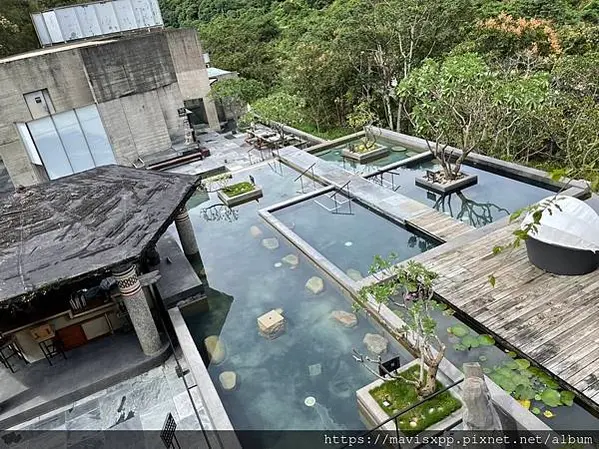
point(83, 225)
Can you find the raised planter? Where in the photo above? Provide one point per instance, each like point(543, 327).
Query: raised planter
point(374, 414)
point(449, 187)
point(378, 151)
point(241, 198)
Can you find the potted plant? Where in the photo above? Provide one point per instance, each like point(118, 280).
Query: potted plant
point(367, 148)
point(409, 288)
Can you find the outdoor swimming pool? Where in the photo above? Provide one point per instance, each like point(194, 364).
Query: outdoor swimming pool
point(350, 235)
point(313, 358)
point(493, 197)
point(396, 153)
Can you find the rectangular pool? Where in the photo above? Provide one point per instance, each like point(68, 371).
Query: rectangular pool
point(349, 234)
point(493, 197)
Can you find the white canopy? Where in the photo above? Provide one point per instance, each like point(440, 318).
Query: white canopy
point(574, 225)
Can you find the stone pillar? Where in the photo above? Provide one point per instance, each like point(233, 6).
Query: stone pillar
point(186, 234)
point(137, 306)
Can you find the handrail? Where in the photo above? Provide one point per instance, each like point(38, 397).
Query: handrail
point(304, 172)
point(404, 411)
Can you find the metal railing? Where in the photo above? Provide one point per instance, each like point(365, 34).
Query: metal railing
point(395, 417)
point(300, 177)
point(338, 203)
point(381, 179)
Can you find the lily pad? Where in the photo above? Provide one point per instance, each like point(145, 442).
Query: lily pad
point(536, 410)
point(548, 414)
point(537, 397)
point(511, 354)
point(458, 331)
point(567, 398)
point(486, 370)
point(482, 358)
point(510, 364)
point(522, 363)
point(486, 340)
point(460, 347)
point(524, 393)
point(470, 341)
point(524, 403)
point(551, 397)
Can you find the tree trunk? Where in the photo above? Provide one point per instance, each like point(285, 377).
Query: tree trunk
point(430, 386)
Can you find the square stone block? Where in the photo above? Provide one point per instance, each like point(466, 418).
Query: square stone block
point(271, 324)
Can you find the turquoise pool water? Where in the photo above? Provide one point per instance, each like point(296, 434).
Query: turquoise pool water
point(396, 154)
point(350, 235)
point(313, 358)
point(493, 197)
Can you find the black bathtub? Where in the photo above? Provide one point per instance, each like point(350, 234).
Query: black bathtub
point(560, 259)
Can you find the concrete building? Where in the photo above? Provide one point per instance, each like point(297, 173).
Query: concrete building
point(71, 107)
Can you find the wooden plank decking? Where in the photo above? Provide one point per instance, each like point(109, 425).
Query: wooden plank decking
point(553, 320)
point(395, 205)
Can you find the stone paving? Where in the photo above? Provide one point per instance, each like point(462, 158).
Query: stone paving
point(139, 403)
point(226, 150)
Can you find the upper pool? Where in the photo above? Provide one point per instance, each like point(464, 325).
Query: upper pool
point(397, 153)
point(349, 234)
point(493, 197)
point(246, 279)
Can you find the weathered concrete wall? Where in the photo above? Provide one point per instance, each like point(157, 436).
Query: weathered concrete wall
point(128, 66)
point(136, 126)
point(68, 89)
point(190, 69)
point(171, 100)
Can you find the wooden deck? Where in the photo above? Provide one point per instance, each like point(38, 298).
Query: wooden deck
point(387, 202)
point(553, 320)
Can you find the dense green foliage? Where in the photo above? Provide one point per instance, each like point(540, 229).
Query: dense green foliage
point(400, 394)
point(526, 70)
point(238, 189)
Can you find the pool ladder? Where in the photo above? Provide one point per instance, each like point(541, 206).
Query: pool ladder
point(312, 178)
point(338, 203)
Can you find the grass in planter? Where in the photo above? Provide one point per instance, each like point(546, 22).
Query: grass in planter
point(401, 395)
point(238, 189)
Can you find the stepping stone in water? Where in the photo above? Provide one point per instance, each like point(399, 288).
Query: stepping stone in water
point(228, 379)
point(375, 343)
point(271, 243)
point(278, 265)
point(354, 275)
point(315, 285)
point(215, 349)
point(347, 319)
point(291, 259)
point(315, 370)
point(255, 232)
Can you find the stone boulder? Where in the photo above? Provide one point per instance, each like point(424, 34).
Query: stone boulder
point(215, 349)
point(271, 324)
point(228, 380)
point(347, 319)
point(271, 243)
point(256, 232)
point(354, 275)
point(315, 285)
point(291, 259)
point(375, 343)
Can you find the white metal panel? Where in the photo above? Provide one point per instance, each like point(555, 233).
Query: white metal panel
point(40, 27)
point(53, 27)
point(156, 11)
point(144, 15)
point(90, 25)
point(107, 18)
point(34, 156)
point(69, 24)
point(125, 15)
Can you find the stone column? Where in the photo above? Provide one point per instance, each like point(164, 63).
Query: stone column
point(186, 234)
point(137, 306)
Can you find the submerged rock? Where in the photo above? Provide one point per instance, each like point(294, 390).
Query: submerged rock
point(215, 348)
point(315, 370)
point(354, 275)
point(375, 343)
point(271, 243)
point(255, 231)
point(315, 285)
point(347, 319)
point(291, 259)
point(278, 264)
point(228, 379)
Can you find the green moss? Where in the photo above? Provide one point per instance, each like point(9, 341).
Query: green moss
point(401, 395)
point(238, 189)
